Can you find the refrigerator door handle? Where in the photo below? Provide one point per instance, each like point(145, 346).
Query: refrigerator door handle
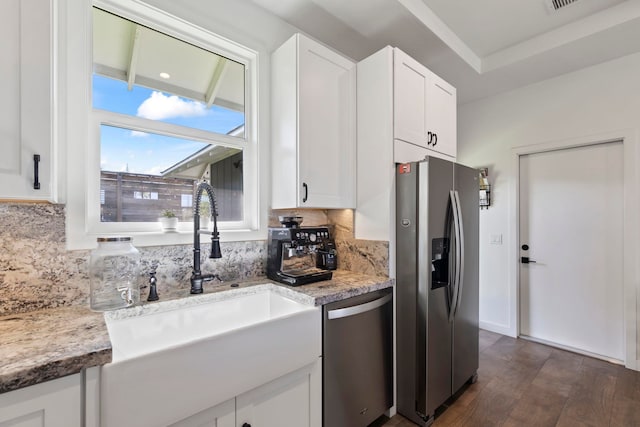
point(460, 244)
point(456, 276)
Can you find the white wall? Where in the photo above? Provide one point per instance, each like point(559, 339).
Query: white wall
point(599, 100)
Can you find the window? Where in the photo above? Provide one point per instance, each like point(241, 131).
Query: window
point(144, 195)
point(169, 112)
point(141, 77)
point(186, 200)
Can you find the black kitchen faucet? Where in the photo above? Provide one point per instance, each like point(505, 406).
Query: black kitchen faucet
point(197, 278)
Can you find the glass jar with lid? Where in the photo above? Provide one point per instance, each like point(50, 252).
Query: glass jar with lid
point(114, 273)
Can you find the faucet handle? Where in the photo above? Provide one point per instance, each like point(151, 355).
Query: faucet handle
point(153, 281)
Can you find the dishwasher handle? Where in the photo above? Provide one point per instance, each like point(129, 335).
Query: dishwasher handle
point(358, 309)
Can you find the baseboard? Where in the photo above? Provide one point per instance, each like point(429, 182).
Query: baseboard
point(574, 350)
point(497, 328)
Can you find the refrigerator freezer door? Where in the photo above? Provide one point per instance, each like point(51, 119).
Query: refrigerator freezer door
point(465, 323)
point(407, 292)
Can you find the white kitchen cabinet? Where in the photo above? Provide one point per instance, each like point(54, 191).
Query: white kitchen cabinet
point(55, 403)
point(401, 104)
point(92, 397)
point(26, 122)
point(313, 113)
point(293, 400)
point(424, 106)
point(222, 415)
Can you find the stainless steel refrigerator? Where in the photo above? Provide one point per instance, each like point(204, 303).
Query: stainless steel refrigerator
point(436, 284)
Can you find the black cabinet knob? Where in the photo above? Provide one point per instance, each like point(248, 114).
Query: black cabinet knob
point(246, 425)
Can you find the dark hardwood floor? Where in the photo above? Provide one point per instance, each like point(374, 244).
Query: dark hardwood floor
point(521, 383)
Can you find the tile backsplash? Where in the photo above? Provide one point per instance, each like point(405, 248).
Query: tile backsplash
point(37, 272)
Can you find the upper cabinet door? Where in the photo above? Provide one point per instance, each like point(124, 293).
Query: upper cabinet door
point(424, 106)
point(326, 120)
point(410, 83)
point(441, 116)
point(26, 122)
point(313, 124)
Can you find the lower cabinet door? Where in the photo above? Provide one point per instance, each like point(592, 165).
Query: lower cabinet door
point(222, 415)
point(293, 400)
point(55, 403)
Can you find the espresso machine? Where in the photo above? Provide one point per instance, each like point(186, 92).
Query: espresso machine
point(299, 255)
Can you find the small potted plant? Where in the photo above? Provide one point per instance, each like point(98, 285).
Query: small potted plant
point(169, 221)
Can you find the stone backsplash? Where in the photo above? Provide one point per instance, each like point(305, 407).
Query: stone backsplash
point(37, 272)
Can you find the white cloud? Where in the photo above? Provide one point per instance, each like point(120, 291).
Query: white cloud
point(138, 134)
point(160, 106)
point(155, 170)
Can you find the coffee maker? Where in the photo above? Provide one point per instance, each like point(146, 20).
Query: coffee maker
point(299, 255)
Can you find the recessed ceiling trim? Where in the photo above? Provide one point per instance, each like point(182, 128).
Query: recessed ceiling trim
point(430, 20)
point(601, 21)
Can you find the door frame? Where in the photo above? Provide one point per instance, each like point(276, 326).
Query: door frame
point(631, 228)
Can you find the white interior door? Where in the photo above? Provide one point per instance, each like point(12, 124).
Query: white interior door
point(571, 219)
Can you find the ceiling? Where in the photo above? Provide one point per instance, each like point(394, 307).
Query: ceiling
point(481, 47)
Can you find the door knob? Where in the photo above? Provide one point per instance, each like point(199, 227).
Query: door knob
point(526, 260)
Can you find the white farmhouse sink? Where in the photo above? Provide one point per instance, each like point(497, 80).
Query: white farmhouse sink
point(174, 362)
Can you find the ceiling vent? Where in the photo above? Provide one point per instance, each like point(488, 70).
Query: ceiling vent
point(554, 5)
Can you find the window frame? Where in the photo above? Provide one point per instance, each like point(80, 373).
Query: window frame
point(86, 206)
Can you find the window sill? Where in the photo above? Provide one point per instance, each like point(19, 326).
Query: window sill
point(160, 238)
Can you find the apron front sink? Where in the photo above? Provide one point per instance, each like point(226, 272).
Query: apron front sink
point(170, 362)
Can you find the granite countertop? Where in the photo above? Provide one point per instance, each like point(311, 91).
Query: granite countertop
point(48, 344)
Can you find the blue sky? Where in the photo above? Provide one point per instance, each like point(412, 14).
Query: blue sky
point(122, 149)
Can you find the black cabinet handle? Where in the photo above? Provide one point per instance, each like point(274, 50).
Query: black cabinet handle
point(36, 177)
point(432, 138)
point(306, 196)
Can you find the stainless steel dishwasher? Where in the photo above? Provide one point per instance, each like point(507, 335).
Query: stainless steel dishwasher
point(357, 359)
